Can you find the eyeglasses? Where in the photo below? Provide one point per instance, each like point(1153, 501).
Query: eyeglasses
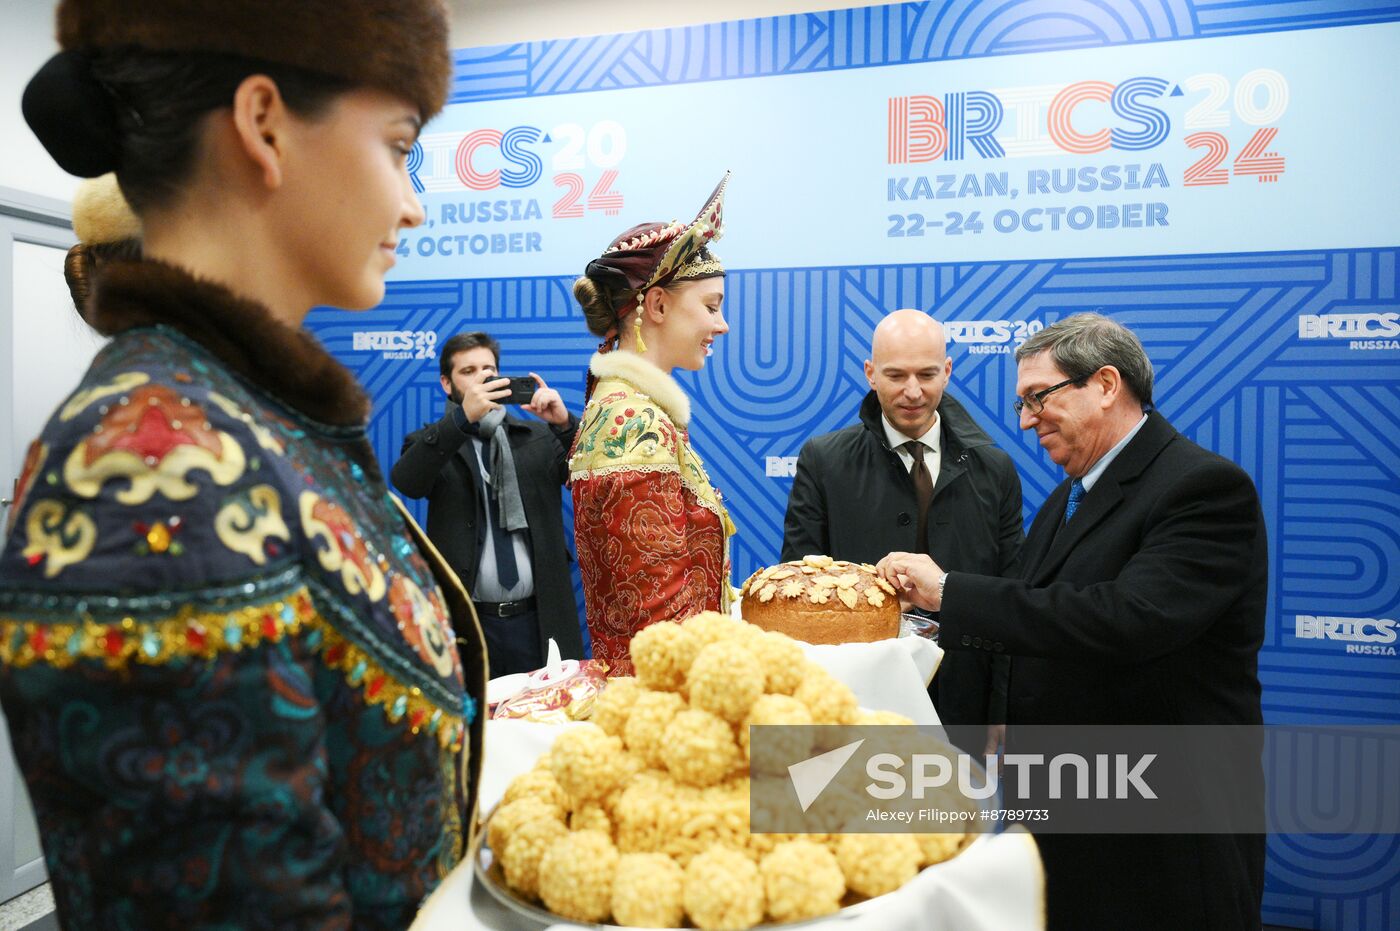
point(1035, 401)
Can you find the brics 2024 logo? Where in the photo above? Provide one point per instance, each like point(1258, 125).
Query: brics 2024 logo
point(1133, 115)
point(585, 171)
point(1361, 329)
point(1363, 635)
point(396, 344)
point(991, 337)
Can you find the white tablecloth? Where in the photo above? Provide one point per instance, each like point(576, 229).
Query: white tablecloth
point(996, 884)
point(888, 675)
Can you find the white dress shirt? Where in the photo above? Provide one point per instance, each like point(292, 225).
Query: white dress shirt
point(933, 459)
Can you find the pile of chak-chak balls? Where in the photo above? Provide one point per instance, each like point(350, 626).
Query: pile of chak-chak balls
point(642, 815)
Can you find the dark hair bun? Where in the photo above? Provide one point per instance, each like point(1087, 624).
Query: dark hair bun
point(77, 271)
point(73, 115)
point(597, 309)
point(85, 263)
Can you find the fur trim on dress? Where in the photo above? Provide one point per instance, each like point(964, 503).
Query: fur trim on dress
point(646, 378)
point(289, 364)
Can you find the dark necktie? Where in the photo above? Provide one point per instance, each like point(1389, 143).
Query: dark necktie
point(1076, 492)
point(507, 572)
point(923, 487)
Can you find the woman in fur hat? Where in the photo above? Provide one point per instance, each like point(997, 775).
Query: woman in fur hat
point(652, 532)
point(226, 656)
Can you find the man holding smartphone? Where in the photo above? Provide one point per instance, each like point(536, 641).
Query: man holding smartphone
point(493, 487)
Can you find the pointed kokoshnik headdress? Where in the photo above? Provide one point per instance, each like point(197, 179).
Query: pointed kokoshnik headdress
point(653, 255)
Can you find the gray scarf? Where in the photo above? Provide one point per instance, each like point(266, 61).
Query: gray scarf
point(505, 488)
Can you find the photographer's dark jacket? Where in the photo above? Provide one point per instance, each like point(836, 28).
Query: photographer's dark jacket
point(227, 655)
point(437, 463)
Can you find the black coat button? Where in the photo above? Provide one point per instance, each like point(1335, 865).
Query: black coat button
point(966, 640)
point(903, 519)
point(997, 646)
point(977, 641)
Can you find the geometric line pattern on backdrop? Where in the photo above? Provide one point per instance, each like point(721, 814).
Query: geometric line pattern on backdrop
point(1362, 880)
point(870, 36)
point(1310, 420)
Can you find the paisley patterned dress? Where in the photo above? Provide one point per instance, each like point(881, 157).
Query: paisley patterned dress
point(652, 532)
point(226, 656)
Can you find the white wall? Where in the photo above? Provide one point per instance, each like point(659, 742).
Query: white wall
point(500, 22)
point(26, 42)
point(51, 345)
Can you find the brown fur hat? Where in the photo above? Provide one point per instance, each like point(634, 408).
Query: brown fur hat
point(395, 45)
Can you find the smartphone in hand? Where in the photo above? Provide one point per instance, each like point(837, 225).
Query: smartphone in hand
point(522, 389)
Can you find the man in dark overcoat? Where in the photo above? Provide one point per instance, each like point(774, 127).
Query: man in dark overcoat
point(493, 483)
point(1140, 601)
point(916, 473)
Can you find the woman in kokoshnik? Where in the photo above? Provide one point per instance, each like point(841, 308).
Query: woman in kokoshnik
point(652, 532)
point(226, 655)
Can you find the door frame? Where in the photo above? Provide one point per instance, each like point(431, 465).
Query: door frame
point(42, 221)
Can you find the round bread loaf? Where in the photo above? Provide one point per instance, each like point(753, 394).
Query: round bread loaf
point(818, 599)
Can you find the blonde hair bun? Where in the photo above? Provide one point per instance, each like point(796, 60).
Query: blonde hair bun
point(101, 213)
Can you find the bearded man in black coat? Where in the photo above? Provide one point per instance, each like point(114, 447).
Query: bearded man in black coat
point(493, 487)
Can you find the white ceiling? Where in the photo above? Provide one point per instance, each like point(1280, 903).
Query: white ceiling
point(500, 22)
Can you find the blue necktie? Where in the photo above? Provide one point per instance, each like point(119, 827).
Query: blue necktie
point(1076, 491)
point(507, 572)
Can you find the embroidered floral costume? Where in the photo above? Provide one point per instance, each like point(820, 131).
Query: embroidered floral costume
point(652, 533)
point(226, 655)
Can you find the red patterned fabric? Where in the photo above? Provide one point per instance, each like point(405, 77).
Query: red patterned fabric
point(647, 551)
